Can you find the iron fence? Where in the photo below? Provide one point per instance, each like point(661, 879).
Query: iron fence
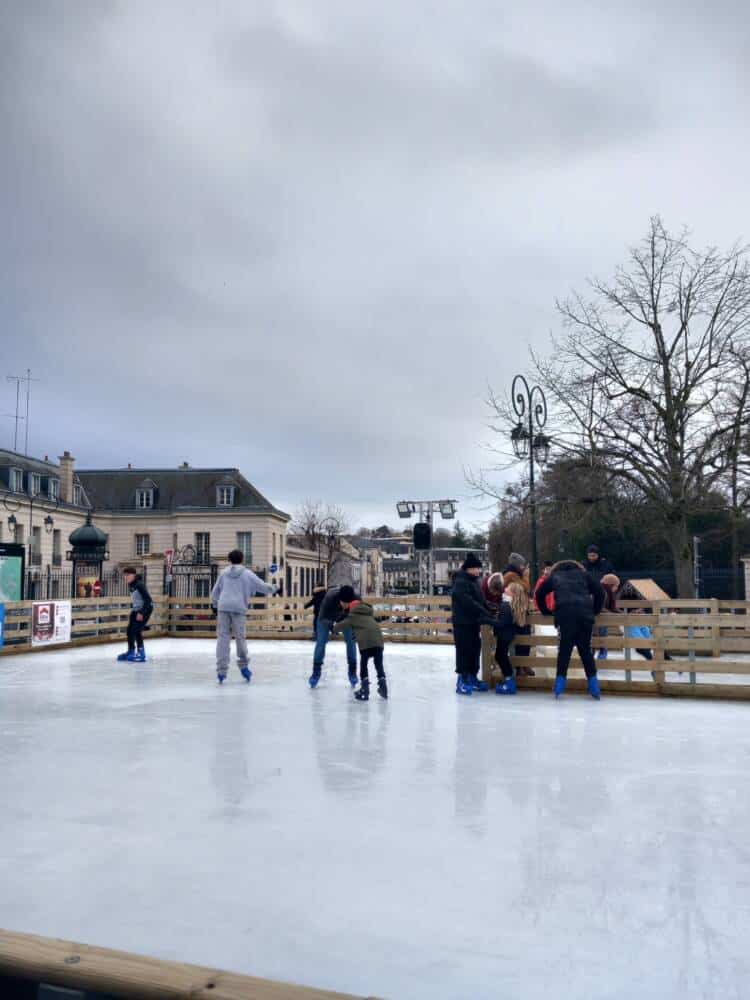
point(54, 584)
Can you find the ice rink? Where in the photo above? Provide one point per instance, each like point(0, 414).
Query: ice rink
point(428, 847)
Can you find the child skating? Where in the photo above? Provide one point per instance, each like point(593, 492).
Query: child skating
point(360, 617)
point(230, 598)
point(142, 609)
point(578, 600)
point(511, 621)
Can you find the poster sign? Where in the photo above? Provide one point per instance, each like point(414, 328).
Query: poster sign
point(88, 582)
point(168, 560)
point(2, 625)
point(11, 572)
point(50, 622)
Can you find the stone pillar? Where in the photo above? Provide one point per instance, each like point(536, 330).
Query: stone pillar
point(154, 564)
point(67, 465)
point(746, 567)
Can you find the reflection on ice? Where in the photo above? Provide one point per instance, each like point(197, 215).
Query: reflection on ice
point(425, 847)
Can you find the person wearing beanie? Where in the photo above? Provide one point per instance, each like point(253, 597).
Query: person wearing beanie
point(610, 585)
point(598, 566)
point(360, 617)
point(329, 613)
point(469, 612)
point(579, 598)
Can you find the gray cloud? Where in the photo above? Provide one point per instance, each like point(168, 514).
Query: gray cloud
point(302, 238)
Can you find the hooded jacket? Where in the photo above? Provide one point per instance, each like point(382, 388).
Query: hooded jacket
point(330, 607)
point(468, 605)
point(578, 597)
point(361, 618)
point(598, 569)
point(234, 588)
point(140, 598)
point(514, 574)
point(549, 604)
point(492, 600)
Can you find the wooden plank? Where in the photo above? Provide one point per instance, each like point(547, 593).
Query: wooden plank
point(121, 974)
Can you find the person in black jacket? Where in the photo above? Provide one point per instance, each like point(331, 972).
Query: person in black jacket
point(315, 602)
point(578, 600)
point(329, 613)
point(143, 607)
point(469, 612)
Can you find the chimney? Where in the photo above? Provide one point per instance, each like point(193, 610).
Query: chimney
point(129, 465)
point(67, 464)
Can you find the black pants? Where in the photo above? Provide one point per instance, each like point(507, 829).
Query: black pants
point(375, 653)
point(645, 653)
point(135, 632)
point(578, 634)
point(523, 650)
point(468, 649)
point(502, 658)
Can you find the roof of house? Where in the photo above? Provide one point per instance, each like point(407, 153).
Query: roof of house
point(647, 590)
point(182, 489)
point(14, 460)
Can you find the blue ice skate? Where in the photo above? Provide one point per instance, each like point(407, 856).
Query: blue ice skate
point(602, 654)
point(140, 656)
point(508, 686)
point(559, 686)
point(246, 673)
point(353, 679)
point(129, 656)
point(479, 685)
point(593, 686)
point(464, 686)
point(221, 678)
point(314, 678)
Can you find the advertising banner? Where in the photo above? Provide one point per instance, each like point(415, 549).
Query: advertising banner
point(50, 622)
point(88, 579)
point(2, 625)
point(11, 572)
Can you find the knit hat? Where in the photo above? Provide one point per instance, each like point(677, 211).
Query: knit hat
point(346, 594)
point(471, 562)
point(592, 548)
point(495, 583)
point(516, 559)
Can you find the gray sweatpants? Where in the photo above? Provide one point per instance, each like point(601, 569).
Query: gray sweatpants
point(230, 623)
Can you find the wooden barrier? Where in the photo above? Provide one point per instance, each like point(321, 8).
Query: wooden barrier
point(120, 974)
point(94, 620)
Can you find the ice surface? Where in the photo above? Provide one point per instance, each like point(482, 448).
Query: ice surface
point(433, 846)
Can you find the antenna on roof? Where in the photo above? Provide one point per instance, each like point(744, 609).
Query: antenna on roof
point(18, 379)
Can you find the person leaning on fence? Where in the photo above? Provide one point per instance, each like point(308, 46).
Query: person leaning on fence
point(469, 613)
point(511, 620)
point(610, 584)
point(518, 571)
point(230, 598)
point(578, 600)
point(143, 608)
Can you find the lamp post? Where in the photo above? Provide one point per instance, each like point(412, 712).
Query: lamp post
point(529, 442)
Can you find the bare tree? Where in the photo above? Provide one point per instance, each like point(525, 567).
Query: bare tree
point(642, 379)
point(320, 528)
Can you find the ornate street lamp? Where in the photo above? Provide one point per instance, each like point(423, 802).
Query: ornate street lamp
point(12, 524)
point(49, 523)
point(530, 443)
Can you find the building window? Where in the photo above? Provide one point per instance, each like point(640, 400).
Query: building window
point(36, 484)
point(16, 481)
point(225, 496)
point(144, 499)
point(36, 546)
point(142, 545)
point(78, 495)
point(202, 546)
point(56, 548)
point(245, 545)
point(53, 489)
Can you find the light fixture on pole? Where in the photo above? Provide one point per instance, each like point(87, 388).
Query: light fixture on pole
point(49, 523)
point(12, 525)
point(530, 406)
point(404, 509)
point(422, 538)
point(447, 509)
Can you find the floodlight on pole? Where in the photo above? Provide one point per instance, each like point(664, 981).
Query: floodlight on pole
point(404, 509)
point(447, 509)
point(425, 509)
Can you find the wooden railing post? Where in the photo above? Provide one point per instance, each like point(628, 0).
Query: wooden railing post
point(715, 630)
point(659, 646)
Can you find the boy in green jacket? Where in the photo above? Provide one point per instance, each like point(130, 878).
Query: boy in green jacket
point(361, 618)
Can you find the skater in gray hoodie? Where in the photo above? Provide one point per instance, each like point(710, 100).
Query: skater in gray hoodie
point(230, 598)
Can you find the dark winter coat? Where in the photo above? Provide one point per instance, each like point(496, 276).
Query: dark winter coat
point(578, 597)
point(598, 569)
point(361, 619)
point(330, 606)
point(505, 627)
point(140, 598)
point(318, 596)
point(468, 605)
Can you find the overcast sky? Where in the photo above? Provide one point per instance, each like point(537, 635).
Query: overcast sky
point(301, 237)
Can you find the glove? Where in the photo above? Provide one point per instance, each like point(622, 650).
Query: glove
point(276, 591)
point(214, 611)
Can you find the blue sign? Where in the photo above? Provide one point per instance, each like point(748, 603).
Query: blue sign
point(2, 625)
point(273, 568)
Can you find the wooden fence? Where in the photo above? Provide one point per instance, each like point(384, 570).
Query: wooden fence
point(705, 636)
point(120, 974)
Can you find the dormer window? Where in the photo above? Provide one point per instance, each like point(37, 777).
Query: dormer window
point(144, 498)
point(36, 484)
point(16, 480)
point(225, 496)
point(78, 495)
point(53, 489)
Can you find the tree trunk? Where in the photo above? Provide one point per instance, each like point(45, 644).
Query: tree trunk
point(735, 556)
point(682, 557)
